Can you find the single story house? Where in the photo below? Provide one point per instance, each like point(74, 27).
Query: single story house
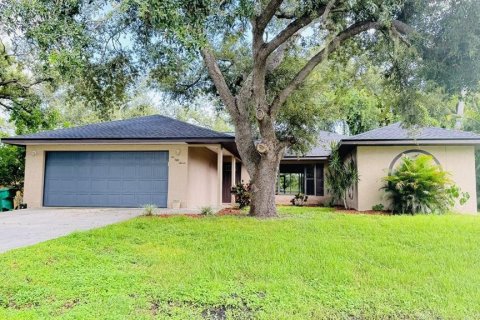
point(167, 162)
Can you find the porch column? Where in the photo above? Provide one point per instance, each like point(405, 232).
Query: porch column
point(219, 176)
point(234, 175)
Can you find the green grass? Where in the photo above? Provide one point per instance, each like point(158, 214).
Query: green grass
point(311, 263)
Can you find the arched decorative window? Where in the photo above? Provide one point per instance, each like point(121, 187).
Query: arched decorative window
point(412, 153)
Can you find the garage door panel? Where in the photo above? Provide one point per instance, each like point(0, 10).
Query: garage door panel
point(145, 172)
point(80, 199)
point(143, 188)
point(108, 179)
point(162, 173)
point(101, 158)
point(145, 199)
point(57, 185)
point(99, 186)
point(115, 170)
point(100, 171)
point(127, 199)
point(159, 185)
point(114, 187)
point(97, 198)
point(82, 186)
point(130, 171)
point(62, 171)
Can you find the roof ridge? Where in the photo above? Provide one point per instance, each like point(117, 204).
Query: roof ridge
point(398, 123)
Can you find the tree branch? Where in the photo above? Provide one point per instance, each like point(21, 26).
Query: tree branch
point(333, 45)
point(276, 58)
point(285, 15)
point(255, 81)
point(402, 27)
point(259, 56)
point(5, 106)
point(188, 86)
point(399, 29)
point(7, 82)
point(283, 144)
point(297, 25)
point(243, 132)
point(267, 14)
point(24, 86)
point(219, 81)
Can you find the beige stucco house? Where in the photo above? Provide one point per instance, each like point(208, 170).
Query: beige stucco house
point(169, 163)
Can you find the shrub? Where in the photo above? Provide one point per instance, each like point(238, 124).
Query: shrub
point(420, 186)
point(149, 209)
point(378, 207)
point(340, 176)
point(207, 211)
point(242, 194)
point(299, 200)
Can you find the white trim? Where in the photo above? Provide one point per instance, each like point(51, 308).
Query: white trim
point(409, 142)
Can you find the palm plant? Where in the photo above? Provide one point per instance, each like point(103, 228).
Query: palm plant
point(340, 175)
point(419, 185)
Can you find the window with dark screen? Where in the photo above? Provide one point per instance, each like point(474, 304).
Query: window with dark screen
point(300, 178)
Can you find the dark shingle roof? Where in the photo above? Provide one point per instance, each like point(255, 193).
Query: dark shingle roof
point(159, 127)
point(396, 132)
point(154, 127)
point(322, 150)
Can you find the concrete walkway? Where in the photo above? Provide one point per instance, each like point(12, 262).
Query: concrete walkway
point(22, 228)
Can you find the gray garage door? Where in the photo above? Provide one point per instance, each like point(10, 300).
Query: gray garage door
point(106, 179)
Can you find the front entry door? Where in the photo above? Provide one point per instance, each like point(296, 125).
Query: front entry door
point(227, 182)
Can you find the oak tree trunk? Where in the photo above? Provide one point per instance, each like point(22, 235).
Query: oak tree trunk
point(262, 168)
point(263, 189)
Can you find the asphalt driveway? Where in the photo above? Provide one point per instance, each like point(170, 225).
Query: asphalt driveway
point(26, 227)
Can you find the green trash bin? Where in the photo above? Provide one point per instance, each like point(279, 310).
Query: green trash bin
point(6, 199)
point(7, 193)
point(6, 204)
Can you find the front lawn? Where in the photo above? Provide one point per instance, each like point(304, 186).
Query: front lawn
point(311, 263)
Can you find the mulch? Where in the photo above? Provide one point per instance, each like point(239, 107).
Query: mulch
point(230, 212)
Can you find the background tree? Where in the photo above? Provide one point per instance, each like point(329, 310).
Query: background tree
point(448, 45)
point(12, 162)
point(17, 96)
point(12, 166)
point(358, 92)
